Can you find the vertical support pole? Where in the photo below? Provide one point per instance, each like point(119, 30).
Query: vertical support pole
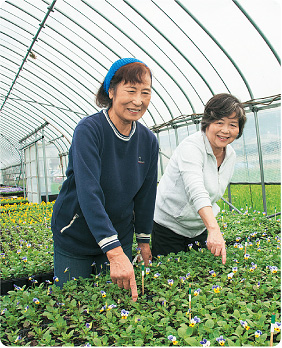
point(37, 174)
point(160, 155)
point(23, 168)
point(45, 166)
point(229, 196)
point(176, 136)
point(255, 111)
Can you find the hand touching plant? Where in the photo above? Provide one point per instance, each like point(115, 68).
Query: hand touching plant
point(121, 271)
point(145, 252)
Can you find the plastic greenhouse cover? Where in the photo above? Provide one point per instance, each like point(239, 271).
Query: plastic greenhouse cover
point(55, 54)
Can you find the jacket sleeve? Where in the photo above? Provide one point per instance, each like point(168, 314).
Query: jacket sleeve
point(144, 201)
point(191, 163)
point(86, 147)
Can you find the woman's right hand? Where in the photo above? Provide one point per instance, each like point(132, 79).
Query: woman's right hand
point(215, 241)
point(121, 271)
point(216, 244)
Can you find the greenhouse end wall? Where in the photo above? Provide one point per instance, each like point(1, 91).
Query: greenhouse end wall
point(44, 175)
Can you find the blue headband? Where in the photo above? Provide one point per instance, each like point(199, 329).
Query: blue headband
point(114, 68)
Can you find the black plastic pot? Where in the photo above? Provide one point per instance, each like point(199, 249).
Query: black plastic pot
point(8, 284)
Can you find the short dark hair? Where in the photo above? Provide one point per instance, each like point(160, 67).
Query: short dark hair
point(223, 105)
point(133, 72)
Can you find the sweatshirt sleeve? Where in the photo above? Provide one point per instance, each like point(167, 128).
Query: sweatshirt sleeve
point(86, 147)
point(191, 164)
point(144, 202)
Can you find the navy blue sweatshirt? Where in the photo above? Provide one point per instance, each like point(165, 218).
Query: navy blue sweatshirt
point(110, 188)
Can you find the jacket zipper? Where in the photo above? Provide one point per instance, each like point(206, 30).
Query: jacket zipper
point(69, 225)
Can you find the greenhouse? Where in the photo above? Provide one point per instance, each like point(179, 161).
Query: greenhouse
point(55, 56)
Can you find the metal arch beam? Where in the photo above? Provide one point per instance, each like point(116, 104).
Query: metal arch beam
point(258, 30)
point(57, 77)
point(91, 34)
point(31, 127)
point(48, 121)
point(118, 28)
point(219, 46)
point(11, 144)
point(182, 55)
point(41, 25)
point(11, 116)
point(154, 27)
point(79, 25)
point(48, 110)
point(86, 53)
point(197, 49)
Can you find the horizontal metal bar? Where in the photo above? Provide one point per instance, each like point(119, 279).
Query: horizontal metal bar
point(35, 131)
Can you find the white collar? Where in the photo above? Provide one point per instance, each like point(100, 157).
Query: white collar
point(117, 133)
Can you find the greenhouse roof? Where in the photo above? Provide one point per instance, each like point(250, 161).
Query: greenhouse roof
point(55, 54)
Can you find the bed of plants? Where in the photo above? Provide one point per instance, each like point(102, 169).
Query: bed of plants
point(231, 304)
point(8, 190)
point(12, 200)
point(26, 239)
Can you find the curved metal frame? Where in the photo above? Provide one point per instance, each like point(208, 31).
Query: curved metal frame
point(15, 108)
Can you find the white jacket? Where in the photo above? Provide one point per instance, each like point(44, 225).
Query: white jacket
point(192, 181)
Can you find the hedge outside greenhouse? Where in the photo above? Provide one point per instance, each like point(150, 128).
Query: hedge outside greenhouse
point(140, 180)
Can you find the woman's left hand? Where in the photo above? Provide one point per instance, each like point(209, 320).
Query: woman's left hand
point(145, 252)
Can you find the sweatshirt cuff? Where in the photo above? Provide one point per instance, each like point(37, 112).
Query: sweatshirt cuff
point(109, 243)
point(143, 238)
point(202, 203)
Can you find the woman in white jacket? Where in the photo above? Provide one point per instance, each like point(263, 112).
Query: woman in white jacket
point(196, 177)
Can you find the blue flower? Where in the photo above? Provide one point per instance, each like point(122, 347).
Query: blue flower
point(205, 343)
point(103, 308)
point(88, 325)
point(194, 321)
point(277, 327)
point(124, 314)
point(244, 324)
point(221, 340)
point(258, 333)
point(18, 339)
point(111, 307)
point(212, 273)
point(172, 339)
point(170, 282)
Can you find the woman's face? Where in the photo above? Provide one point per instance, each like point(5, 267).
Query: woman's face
point(130, 101)
point(223, 132)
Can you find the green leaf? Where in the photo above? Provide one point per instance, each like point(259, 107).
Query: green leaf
point(191, 341)
point(97, 341)
point(236, 314)
point(209, 323)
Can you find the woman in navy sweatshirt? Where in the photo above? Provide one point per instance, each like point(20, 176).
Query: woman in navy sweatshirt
point(109, 193)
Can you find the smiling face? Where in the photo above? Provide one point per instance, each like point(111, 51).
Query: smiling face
point(222, 132)
point(129, 102)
